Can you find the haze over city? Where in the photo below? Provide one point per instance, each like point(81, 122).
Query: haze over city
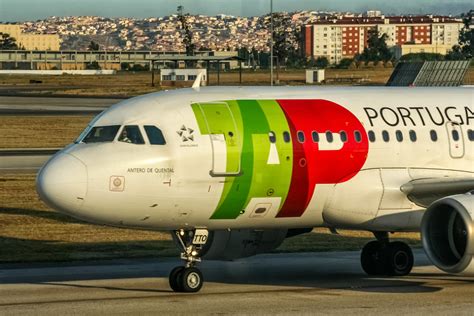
point(23, 10)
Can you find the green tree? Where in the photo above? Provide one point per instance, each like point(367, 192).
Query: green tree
point(93, 46)
point(186, 31)
point(465, 49)
point(320, 62)
point(7, 42)
point(422, 57)
point(376, 49)
point(345, 63)
point(93, 66)
point(285, 39)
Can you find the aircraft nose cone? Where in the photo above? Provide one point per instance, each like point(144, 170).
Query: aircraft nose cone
point(62, 183)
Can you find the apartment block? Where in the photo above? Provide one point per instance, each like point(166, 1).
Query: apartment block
point(345, 37)
point(31, 41)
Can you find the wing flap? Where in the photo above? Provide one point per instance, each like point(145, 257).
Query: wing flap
point(423, 192)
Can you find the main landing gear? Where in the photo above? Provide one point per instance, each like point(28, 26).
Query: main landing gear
point(382, 257)
point(188, 278)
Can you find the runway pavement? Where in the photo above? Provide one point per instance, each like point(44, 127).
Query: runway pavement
point(24, 160)
point(10, 105)
point(311, 283)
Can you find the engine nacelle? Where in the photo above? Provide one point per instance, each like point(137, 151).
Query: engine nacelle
point(447, 232)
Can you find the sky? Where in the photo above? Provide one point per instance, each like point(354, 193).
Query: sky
point(27, 10)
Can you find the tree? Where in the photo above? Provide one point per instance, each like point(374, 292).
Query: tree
point(93, 46)
point(376, 49)
point(285, 39)
point(93, 66)
point(345, 63)
point(186, 31)
point(422, 57)
point(465, 49)
point(7, 42)
point(320, 62)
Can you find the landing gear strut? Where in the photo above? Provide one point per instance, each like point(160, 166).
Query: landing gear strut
point(188, 278)
point(382, 257)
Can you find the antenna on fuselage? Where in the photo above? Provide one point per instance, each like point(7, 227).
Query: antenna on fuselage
point(197, 82)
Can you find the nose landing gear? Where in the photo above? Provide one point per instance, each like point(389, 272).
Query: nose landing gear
point(188, 278)
point(382, 257)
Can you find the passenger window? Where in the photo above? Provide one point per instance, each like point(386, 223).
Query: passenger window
point(155, 136)
point(357, 136)
point(329, 137)
point(272, 137)
point(371, 136)
point(131, 134)
point(301, 137)
point(455, 135)
point(315, 136)
point(412, 135)
point(343, 136)
point(399, 136)
point(286, 137)
point(385, 136)
point(100, 134)
point(470, 134)
point(433, 135)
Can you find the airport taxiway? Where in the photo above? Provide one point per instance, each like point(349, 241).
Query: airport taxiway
point(14, 105)
point(302, 283)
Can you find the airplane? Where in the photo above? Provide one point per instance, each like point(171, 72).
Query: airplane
point(233, 171)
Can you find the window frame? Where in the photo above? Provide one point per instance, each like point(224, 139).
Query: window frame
point(141, 134)
point(315, 139)
point(371, 136)
point(117, 132)
point(148, 137)
point(298, 133)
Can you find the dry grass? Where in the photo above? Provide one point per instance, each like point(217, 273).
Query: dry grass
point(30, 231)
point(40, 131)
point(131, 84)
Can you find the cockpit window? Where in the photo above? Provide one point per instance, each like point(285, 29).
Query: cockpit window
point(100, 134)
point(131, 134)
point(155, 136)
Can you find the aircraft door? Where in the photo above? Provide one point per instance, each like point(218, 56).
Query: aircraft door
point(455, 139)
point(225, 138)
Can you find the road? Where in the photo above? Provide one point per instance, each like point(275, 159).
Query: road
point(304, 283)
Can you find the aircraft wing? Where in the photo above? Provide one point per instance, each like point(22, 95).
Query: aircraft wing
point(423, 192)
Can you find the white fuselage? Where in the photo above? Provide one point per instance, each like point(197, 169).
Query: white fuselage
point(190, 180)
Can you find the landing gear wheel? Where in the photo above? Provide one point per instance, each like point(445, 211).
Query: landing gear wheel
point(174, 279)
point(386, 258)
point(190, 280)
point(399, 258)
point(370, 258)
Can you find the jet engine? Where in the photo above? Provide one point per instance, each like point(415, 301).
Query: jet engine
point(447, 232)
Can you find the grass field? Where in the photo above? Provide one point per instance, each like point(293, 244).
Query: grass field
point(30, 231)
point(40, 131)
point(127, 84)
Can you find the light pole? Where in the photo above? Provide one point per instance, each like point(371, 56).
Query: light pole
point(271, 42)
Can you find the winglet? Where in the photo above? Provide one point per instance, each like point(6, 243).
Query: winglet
point(197, 82)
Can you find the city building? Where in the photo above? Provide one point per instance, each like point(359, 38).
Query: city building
point(345, 37)
point(31, 41)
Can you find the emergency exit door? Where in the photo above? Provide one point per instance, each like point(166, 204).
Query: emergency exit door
point(455, 139)
point(225, 139)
